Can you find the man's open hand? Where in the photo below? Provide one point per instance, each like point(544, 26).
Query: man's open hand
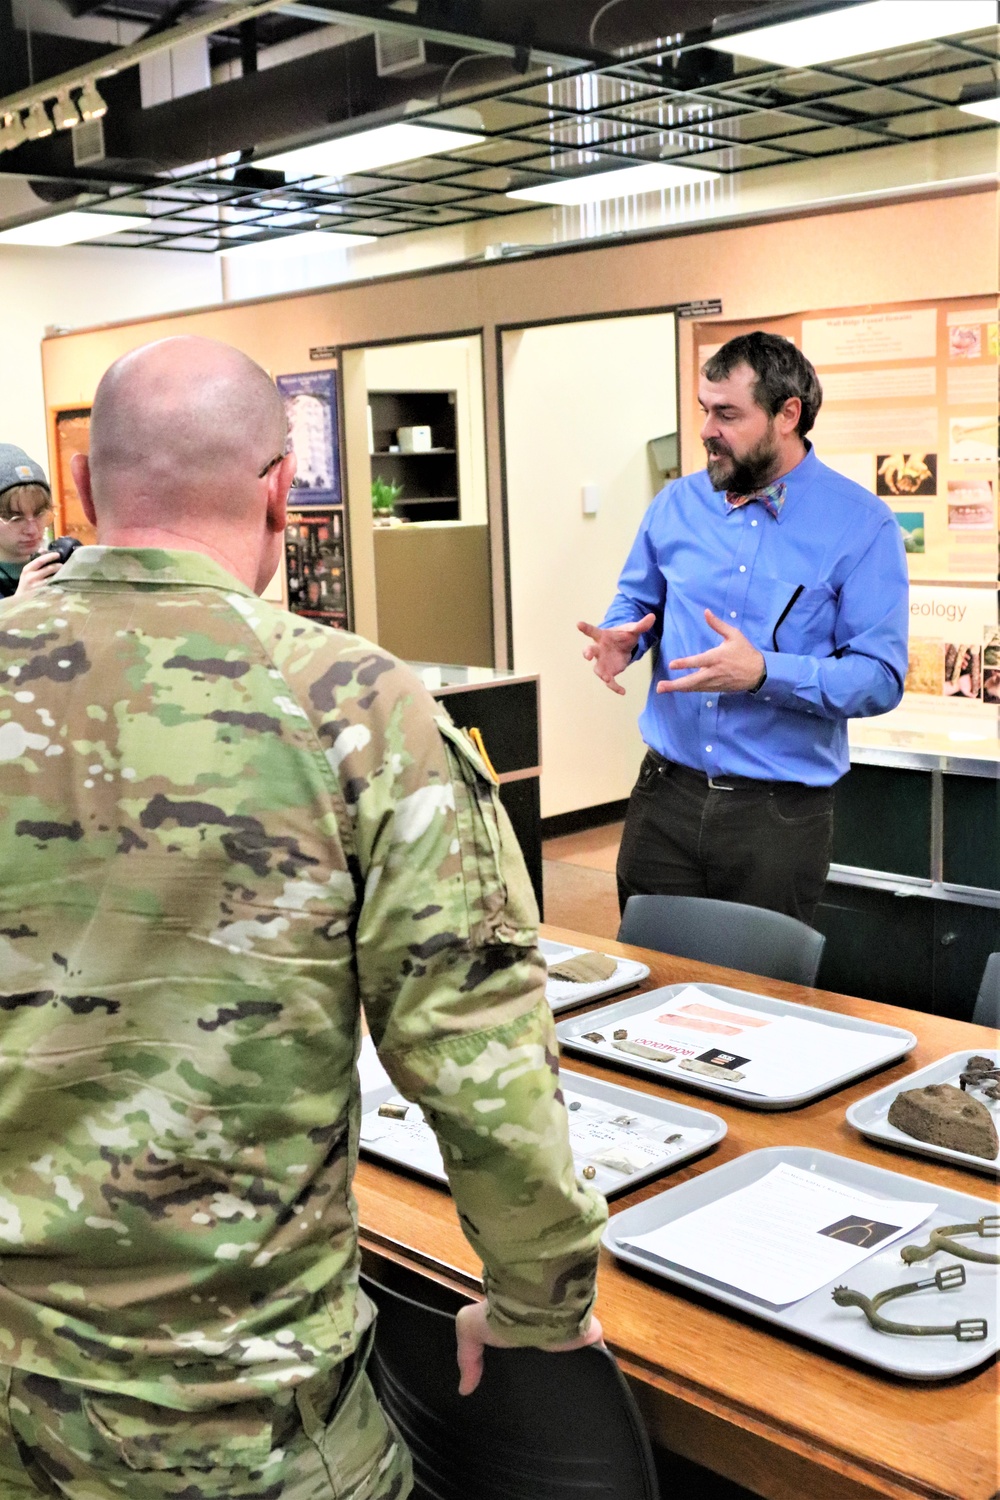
point(474, 1334)
point(733, 667)
point(612, 647)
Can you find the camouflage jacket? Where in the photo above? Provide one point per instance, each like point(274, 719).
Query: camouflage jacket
point(223, 830)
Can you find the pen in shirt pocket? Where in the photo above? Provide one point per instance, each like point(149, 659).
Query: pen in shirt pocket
point(784, 615)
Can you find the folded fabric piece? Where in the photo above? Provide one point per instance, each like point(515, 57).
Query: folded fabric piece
point(585, 968)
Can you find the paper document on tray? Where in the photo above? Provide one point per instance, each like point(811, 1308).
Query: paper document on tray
point(783, 1237)
point(762, 1053)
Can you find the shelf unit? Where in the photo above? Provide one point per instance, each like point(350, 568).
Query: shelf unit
point(429, 478)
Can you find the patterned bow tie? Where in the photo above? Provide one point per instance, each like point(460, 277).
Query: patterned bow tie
point(772, 497)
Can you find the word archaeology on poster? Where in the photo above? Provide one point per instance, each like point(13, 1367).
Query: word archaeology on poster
point(910, 411)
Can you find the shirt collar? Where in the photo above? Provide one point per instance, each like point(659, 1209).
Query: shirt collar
point(145, 567)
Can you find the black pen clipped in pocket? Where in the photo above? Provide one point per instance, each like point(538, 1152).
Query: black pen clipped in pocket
point(784, 615)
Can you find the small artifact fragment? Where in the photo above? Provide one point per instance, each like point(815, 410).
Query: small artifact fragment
point(711, 1070)
point(592, 1036)
point(620, 1034)
point(590, 1173)
point(943, 1115)
point(393, 1111)
point(981, 1073)
point(624, 1119)
point(575, 1105)
point(638, 1049)
point(618, 1160)
point(585, 968)
point(669, 1140)
point(966, 1330)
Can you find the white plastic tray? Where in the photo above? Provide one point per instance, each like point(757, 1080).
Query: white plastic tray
point(817, 1317)
point(571, 1036)
point(563, 994)
point(701, 1130)
point(869, 1114)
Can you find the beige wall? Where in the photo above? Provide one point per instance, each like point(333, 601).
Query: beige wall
point(581, 401)
point(72, 286)
point(899, 251)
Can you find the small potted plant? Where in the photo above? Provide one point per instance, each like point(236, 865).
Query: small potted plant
point(384, 496)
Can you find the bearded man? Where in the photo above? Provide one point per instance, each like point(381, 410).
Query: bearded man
point(774, 594)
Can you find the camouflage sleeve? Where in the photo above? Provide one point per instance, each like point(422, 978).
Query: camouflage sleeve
point(453, 988)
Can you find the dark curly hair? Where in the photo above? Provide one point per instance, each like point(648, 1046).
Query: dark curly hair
point(781, 371)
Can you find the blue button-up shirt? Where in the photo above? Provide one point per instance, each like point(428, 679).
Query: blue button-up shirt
point(821, 590)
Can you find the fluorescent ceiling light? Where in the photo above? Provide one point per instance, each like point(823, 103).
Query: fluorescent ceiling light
point(71, 229)
point(988, 108)
point(370, 149)
point(653, 177)
point(310, 242)
point(876, 26)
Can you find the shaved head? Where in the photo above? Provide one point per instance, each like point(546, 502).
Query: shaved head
point(180, 431)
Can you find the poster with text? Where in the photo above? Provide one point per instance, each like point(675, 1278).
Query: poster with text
point(311, 407)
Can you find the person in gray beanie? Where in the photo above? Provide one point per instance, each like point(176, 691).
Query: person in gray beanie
point(25, 511)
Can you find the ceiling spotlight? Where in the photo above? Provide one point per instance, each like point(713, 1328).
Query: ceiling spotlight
point(38, 125)
point(92, 106)
point(11, 132)
point(64, 113)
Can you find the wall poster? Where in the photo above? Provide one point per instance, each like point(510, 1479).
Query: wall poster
point(72, 435)
point(910, 411)
point(315, 565)
point(311, 407)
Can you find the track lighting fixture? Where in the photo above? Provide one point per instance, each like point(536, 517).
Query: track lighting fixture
point(92, 106)
point(38, 125)
point(64, 113)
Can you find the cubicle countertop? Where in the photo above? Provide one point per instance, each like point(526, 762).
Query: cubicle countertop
point(440, 678)
point(958, 752)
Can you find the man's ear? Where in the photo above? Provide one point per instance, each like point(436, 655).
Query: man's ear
point(789, 415)
point(80, 468)
point(278, 489)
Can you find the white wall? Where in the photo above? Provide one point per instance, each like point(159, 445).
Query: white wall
point(77, 287)
point(444, 365)
point(581, 400)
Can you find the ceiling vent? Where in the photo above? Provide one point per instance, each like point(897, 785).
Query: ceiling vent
point(398, 54)
point(88, 143)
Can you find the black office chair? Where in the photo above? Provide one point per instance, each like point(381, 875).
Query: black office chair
point(538, 1427)
point(724, 932)
point(987, 1008)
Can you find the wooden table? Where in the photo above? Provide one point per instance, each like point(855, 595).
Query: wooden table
point(782, 1417)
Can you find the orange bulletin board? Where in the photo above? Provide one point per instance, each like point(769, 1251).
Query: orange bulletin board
point(910, 411)
point(72, 435)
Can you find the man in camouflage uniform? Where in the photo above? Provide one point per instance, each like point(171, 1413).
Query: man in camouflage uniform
point(224, 830)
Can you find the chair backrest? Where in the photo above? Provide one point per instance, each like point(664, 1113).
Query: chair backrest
point(539, 1426)
point(724, 932)
point(987, 1007)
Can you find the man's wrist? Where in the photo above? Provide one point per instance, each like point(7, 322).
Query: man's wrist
point(760, 682)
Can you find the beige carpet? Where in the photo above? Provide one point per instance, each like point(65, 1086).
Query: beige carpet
point(578, 871)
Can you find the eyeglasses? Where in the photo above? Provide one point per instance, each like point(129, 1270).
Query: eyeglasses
point(16, 519)
point(276, 459)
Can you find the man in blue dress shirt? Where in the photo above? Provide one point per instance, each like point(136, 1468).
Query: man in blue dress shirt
point(774, 594)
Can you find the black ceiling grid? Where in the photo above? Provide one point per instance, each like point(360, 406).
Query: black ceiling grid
point(692, 106)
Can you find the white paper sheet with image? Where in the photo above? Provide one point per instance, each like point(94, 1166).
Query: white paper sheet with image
point(776, 1055)
point(785, 1236)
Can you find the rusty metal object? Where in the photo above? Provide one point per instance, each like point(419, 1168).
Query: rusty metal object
point(987, 1228)
point(965, 1330)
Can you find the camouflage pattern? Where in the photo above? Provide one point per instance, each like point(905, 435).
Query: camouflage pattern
point(222, 828)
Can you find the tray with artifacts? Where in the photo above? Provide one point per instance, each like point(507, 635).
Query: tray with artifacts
point(898, 1273)
point(766, 1053)
point(577, 975)
point(618, 1136)
point(949, 1110)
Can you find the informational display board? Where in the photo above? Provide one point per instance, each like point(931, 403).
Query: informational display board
point(315, 565)
point(910, 411)
point(72, 435)
point(311, 407)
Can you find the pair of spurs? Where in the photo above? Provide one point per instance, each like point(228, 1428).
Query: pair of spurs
point(981, 1073)
point(966, 1330)
point(987, 1228)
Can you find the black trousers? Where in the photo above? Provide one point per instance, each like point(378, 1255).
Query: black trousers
point(765, 843)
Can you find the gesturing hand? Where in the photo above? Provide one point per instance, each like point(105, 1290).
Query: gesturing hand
point(612, 647)
point(36, 572)
point(474, 1334)
point(733, 667)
